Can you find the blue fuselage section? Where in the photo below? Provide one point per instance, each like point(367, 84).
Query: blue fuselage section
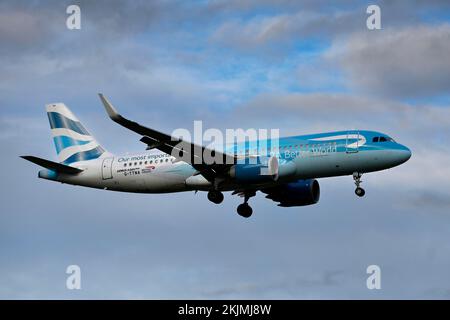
point(333, 153)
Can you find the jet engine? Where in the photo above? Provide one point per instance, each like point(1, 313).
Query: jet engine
point(299, 193)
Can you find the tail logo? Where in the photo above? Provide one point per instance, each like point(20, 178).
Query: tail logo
point(72, 141)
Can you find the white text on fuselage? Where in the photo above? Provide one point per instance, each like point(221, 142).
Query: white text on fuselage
point(143, 157)
point(311, 151)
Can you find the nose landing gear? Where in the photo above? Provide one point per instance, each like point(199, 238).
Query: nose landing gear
point(360, 192)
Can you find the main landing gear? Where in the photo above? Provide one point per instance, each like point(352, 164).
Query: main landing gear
point(215, 196)
point(360, 192)
point(244, 209)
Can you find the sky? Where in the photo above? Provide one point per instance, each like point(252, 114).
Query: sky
point(298, 66)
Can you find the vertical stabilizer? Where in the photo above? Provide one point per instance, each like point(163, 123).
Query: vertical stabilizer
point(73, 142)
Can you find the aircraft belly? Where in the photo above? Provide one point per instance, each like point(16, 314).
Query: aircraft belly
point(164, 182)
point(338, 164)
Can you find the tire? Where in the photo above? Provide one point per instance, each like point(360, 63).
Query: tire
point(360, 192)
point(244, 210)
point(215, 196)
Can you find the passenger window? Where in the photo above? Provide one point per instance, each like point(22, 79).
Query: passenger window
point(135, 163)
point(124, 164)
point(375, 139)
point(383, 139)
point(151, 161)
point(156, 161)
point(140, 163)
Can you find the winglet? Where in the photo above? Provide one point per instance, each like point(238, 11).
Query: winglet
point(112, 112)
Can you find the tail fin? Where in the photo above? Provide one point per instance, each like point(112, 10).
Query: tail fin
point(72, 141)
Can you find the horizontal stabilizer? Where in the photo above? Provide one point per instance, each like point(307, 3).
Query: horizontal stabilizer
point(54, 166)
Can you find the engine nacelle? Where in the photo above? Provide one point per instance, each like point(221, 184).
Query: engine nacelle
point(299, 193)
point(259, 172)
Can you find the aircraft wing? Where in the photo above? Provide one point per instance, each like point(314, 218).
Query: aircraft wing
point(180, 149)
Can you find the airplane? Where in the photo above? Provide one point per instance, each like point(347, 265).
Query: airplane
point(291, 168)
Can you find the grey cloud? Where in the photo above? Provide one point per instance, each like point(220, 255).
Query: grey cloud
point(268, 32)
point(405, 63)
point(294, 21)
point(347, 110)
point(290, 286)
point(40, 26)
point(27, 28)
point(335, 109)
point(431, 198)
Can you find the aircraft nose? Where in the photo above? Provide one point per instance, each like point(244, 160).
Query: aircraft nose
point(403, 154)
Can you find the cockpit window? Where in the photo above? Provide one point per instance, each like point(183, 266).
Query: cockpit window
point(382, 139)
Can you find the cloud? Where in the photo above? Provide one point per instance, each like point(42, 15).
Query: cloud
point(269, 32)
point(288, 287)
point(343, 110)
point(163, 63)
point(431, 198)
point(27, 30)
point(403, 63)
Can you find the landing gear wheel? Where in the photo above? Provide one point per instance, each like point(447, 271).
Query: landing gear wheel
point(357, 178)
point(215, 196)
point(244, 210)
point(360, 192)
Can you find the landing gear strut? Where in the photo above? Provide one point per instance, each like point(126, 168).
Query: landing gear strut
point(244, 209)
point(215, 196)
point(360, 192)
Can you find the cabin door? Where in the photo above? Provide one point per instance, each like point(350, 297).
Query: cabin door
point(352, 142)
point(107, 168)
